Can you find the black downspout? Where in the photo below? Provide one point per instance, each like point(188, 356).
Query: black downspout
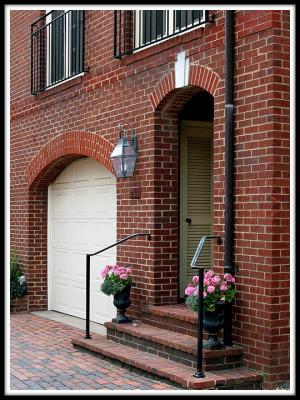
point(229, 163)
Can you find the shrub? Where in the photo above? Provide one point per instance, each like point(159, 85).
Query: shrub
point(18, 287)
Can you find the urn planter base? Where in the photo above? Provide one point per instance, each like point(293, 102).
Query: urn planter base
point(213, 322)
point(213, 343)
point(122, 302)
point(121, 318)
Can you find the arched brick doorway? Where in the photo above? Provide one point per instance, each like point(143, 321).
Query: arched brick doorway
point(171, 105)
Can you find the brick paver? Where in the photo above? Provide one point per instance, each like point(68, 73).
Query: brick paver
point(43, 358)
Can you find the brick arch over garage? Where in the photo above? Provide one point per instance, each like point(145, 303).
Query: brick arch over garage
point(48, 163)
point(199, 77)
point(65, 148)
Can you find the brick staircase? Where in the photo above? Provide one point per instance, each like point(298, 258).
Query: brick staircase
point(164, 342)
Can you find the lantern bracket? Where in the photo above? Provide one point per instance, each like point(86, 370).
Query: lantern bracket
point(122, 133)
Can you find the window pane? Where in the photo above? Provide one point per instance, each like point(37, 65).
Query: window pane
point(160, 23)
point(186, 18)
point(57, 47)
point(76, 41)
point(153, 25)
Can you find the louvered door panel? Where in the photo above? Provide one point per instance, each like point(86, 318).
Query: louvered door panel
point(195, 199)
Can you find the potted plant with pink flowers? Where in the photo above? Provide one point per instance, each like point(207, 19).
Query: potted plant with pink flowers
point(117, 281)
point(218, 291)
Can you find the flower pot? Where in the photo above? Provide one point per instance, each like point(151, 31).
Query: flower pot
point(122, 302)
point(213, 322)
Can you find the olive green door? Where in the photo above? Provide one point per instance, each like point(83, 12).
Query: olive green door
point(195, 195)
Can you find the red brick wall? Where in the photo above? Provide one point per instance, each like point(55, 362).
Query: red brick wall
point(50, 130)
point(262, 194)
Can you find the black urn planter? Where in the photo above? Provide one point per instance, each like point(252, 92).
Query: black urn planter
point(122, 302)
point(213, 322)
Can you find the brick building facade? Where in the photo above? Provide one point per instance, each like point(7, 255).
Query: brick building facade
point(79, 118)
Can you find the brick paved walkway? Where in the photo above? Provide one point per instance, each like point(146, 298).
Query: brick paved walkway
point(43, 358)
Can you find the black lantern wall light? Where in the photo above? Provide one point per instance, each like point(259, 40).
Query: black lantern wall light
point(124, 156)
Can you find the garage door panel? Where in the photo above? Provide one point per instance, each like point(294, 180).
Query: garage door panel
point(63, 295)
point(79, 263)
point(102, 176)
point(66, 176)
point(62, 264)
point(82, 203)
point(78, 303)
point(62, 234)
point(105, 202)
point(83, 220)
point(81, 235)
point(63, 204)
point(82, 170)
point(98, 263)
point(102, 308)
point(103, 234)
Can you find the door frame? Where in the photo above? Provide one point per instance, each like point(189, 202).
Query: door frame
point(183, 188)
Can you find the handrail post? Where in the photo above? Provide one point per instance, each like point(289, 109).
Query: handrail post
point(199, 373)
point(88, 273)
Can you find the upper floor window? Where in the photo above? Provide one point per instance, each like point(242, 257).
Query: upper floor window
point(57, 48)
point(137, 29)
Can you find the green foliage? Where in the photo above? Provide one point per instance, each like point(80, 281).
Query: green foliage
point(192, 302)
point(116, 278)
point(18, 287)
point(112, 286)
point(210, 301)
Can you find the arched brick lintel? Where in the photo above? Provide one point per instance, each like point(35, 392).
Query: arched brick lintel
point(199, 76)
point(62, 150)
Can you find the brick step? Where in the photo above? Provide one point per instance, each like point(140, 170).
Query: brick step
point(238, 378)
point(174, 346)
point(176, 317)
point(175, 311)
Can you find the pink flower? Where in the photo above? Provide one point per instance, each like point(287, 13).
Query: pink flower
point(204, 294)
point(209, 274)
point(229, 278)
point(196, 279)
point(211, 289)
point(223, 287)
point(189, 290)
point(206, 281)
point(196, 292)
point(116, 270)
point(105, 271)
point(216, 279)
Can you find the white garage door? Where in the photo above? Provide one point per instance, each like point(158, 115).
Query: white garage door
point(81, 219)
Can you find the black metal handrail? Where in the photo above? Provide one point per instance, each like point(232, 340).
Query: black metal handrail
point(88, 274)
point(199, 373)
point(134, 30)
point(57, 48)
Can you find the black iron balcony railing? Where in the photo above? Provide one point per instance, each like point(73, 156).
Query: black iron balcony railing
point(137, 29)
point(57, 48)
